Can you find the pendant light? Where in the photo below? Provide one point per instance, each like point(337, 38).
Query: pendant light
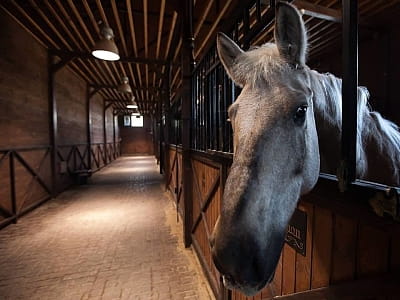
point(132, 104)
point(124, 87)
point(105, 48)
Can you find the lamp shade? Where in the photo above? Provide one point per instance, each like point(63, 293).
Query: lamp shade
point(105, 48)
point(124, 87)
point(132, 104)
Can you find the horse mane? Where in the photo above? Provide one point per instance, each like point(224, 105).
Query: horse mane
point(371, 126)
point(259, 63)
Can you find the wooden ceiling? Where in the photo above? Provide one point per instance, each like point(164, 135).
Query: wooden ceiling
point(145, 30)
point(148, 35)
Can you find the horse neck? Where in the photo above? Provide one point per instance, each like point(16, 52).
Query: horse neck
point(378, 140)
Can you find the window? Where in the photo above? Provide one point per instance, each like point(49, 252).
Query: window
point(127, 121)
point(136, 121)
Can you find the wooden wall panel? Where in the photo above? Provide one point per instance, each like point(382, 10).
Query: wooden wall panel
point(276, 284)
point(137, 140)
point(70, 92)
point(395, 253)
point(289, 270)
point(322, 247)
point(109, 126)
point(303, 263)
point(372, 260)
point(343, 249)
point(23, 88)
point(96, 107)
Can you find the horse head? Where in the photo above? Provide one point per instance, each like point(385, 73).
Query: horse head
point(276, 156)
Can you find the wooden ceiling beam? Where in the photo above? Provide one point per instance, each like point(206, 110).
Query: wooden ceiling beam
point(146, 39)
point(318, 11)
point(29, 30)
point(35, 25)
point(160, 26)
point(119, 27)
point(93, 68)
point(159, 34)
point(203, 18)
point(213, 27)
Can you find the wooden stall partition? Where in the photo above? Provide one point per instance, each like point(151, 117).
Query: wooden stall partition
point(174, 176)
point(207, 195)
point(346, 246)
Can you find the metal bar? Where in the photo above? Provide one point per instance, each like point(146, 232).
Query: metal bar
point(347, 169)
point(114, 134)
point(89, 94)
point(12, 186)
point(53, 130)
point(187, 67)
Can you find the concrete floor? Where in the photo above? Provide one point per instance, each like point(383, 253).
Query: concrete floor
point(115, 238)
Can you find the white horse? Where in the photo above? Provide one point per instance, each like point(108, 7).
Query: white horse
point(285, 117)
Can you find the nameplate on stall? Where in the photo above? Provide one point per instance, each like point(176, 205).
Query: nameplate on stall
point(297, 232)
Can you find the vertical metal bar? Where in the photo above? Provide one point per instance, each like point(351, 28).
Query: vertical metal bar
point(246, 26)
point(187, 67)
point(53, 125)
point(12, 186)
point(114, 152)
point(88, 127)
point(347, 171)
point(104, 133)
point(258, 10)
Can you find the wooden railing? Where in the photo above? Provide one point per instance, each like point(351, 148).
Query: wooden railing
point(25, 181)
point(25, 174)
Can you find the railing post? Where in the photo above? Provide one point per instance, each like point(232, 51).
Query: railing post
point(88, 127)
point(105, 160)
point(114, 150)
point(12, 187)
point(53, 124)
point(187, 67)
point(347, 168)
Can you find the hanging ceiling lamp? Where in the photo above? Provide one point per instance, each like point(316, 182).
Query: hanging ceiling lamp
point(105, 48)
point(132, 104)
point(124, 87)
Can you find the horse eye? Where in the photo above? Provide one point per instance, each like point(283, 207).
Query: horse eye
point(300, 115)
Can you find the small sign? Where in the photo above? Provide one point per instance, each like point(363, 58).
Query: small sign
point(297, 232)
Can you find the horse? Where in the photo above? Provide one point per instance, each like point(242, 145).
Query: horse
point(285, 121)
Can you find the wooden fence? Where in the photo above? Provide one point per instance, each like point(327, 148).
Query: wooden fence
point(25, 174)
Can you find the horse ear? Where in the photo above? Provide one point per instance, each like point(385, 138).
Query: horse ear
point(290, 34)
point(228, 51)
